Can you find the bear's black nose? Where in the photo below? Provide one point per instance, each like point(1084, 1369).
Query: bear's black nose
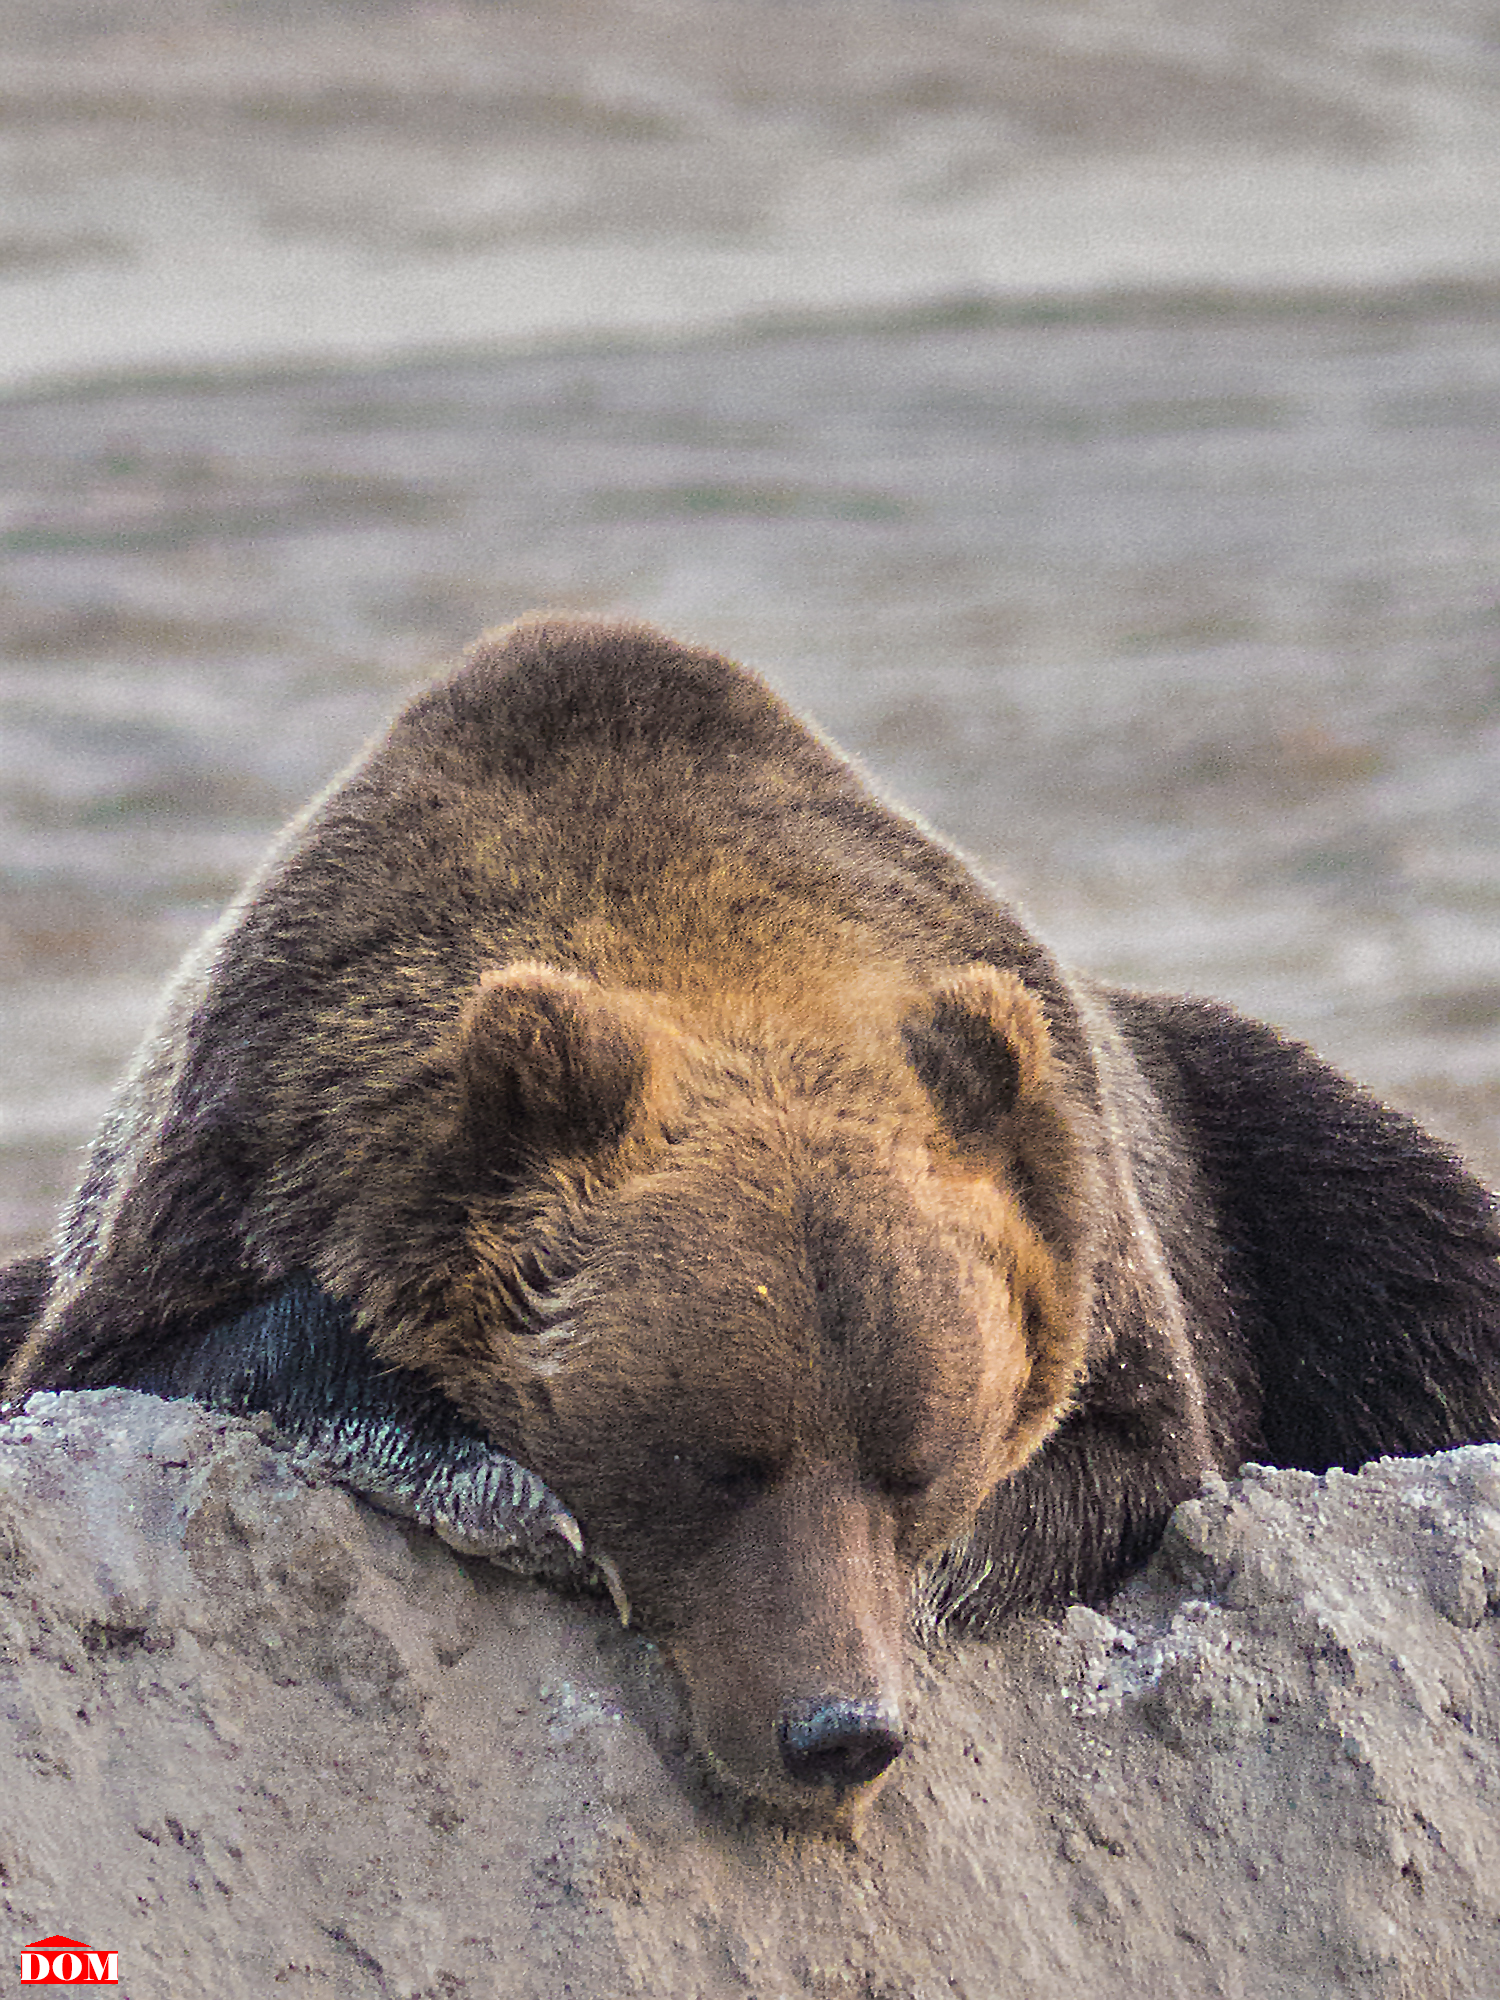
point(839, 1743)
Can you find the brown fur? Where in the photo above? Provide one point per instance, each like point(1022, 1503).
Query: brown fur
point(717, 1144)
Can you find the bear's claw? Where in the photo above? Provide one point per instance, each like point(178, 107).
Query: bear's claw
point(475, 1499)
point(495, 1508)
point(499, 1510)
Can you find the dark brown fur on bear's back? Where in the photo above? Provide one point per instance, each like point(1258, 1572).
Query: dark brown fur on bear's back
point(1345, 1233)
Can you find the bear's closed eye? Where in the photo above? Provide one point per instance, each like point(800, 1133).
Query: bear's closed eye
point(732, 1476)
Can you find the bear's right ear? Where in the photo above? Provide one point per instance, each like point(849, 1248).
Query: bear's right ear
point(547, 1063)
point(979, 1049)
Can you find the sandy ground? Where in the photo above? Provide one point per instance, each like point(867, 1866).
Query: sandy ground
point(258, 1739)
point(1091, 413)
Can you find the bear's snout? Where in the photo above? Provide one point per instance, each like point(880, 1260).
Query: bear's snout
point(838, 1742)
point(791, 1644)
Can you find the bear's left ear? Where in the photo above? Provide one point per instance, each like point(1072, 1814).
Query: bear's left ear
point(978, 1049)
point(548, 1064)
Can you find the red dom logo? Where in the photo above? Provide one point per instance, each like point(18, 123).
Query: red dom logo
point(63, 1961)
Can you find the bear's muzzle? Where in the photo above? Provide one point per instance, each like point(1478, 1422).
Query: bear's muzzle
point(792, 1647)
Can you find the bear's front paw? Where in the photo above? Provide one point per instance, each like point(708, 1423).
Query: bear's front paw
point(474, 1498)
point(498, 1509)
point(495, 1508)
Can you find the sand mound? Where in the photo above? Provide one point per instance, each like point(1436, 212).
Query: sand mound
point(258, 1739)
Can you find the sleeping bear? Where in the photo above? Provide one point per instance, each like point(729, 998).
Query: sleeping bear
point(608, 1133)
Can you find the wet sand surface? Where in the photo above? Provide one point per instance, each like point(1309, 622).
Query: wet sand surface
point(1183, 621)
point(1175, 601)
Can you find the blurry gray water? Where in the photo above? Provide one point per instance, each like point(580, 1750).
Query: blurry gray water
point(1183, 620)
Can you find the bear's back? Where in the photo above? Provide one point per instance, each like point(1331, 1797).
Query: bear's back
point(597, 796)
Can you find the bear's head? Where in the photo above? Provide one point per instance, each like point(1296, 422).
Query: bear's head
point(773, 1311)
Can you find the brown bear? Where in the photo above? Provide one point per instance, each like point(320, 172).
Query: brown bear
point(604, 1124)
